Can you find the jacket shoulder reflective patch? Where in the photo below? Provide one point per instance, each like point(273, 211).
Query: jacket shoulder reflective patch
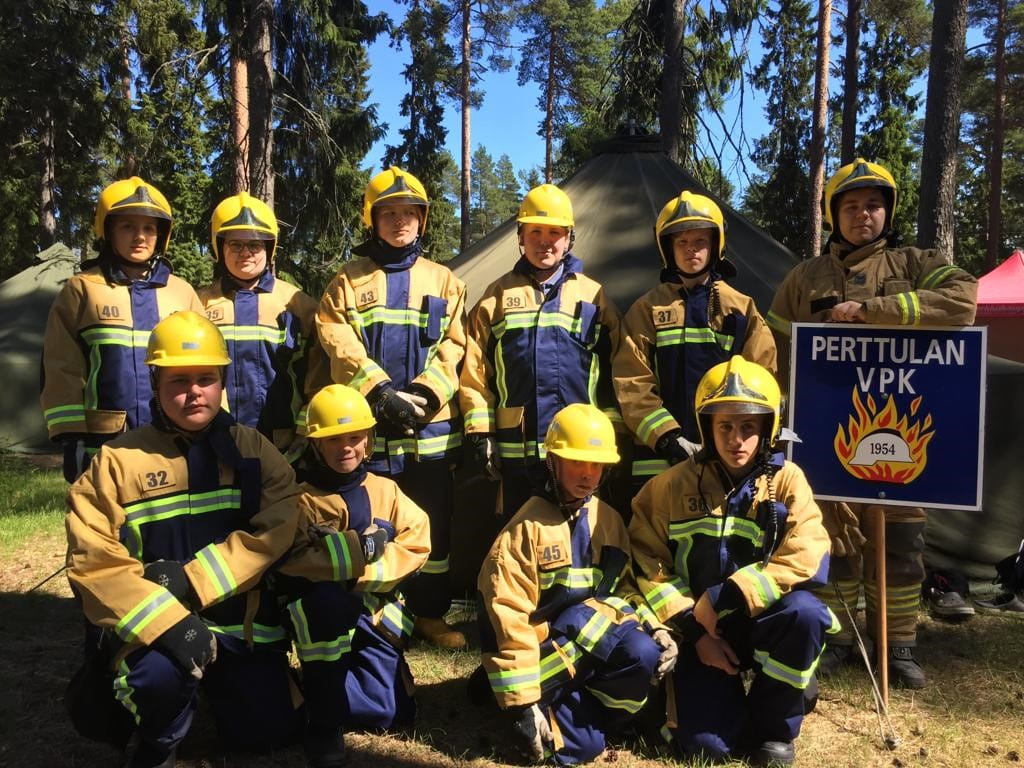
point(662, 316)
point(551, 555)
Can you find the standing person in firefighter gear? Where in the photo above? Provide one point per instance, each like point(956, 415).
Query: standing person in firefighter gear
point(393, 325)
point(864, 277)
point(359, 537)
point(678, 331)
point(170, 531)
point(540, 338)
point(95, 383)
point(726, 546)
point(567, 654)
point(277, 363)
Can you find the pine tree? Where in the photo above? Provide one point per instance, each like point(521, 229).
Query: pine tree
point(324, 130)
point(430, 75)
point(894, 55)
point(777, 199)
point(974, 179)
point(52, 118)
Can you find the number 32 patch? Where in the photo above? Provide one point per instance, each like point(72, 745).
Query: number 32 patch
point(156, 480)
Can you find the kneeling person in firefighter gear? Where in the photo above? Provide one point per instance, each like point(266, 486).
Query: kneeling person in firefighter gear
point(393, 325)
point(359, 537)
point(170, 531)
point(676, 332)
point(277, 362)
point(94, 381)
point(864, 276)
point(567, 654)
point(540, 338)
point(726, 547)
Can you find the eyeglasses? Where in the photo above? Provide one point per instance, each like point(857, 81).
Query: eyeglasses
point(252, 246)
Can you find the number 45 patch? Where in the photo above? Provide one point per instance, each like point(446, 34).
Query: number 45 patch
point(549, 554)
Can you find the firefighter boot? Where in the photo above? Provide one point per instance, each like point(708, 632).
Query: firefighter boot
point(440, 633)
point(833, 658)
point(142, 754)
point(904, 669)
point(773, 754)
point(324, 747)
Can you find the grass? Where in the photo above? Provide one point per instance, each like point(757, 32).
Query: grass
point(33, 501)
point(971, 714)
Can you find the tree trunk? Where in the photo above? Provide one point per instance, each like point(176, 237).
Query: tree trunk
point(670, 107)
point(851, 83)
point(465, 94)
point(129, 163)
point(995, 168)
point(942, 127)
point(549, 112)
point(48, 183)
point(817, 164)
point(261, 102)
point(240, 120)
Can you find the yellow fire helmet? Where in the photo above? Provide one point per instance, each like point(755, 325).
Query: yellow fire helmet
point(689, 211)
point(859, 173)
point(185, 339)
point(581, 432)
point(243, 217)
point(546, 204)
point(337, 410)
point(134, 197)
point(394, 187)
point(736, 386)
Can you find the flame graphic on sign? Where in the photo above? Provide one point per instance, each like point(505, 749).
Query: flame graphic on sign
point(870, 421)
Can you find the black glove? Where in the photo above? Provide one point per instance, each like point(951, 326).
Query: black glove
point(530, 731)
point(374, 539)
point(394, 414)
point(485, 454)
point(433, 404)
point(190, 644)
point(170, 574)
point(674, 448)
point(75, 457)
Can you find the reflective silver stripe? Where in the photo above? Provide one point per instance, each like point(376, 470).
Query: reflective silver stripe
point(159, 600)
point(217, 570)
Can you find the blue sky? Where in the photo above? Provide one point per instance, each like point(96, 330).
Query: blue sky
point(507, 121)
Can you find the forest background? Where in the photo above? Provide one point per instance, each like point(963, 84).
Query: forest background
point(207, 98)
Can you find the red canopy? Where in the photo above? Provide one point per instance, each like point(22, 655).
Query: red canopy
point(1001, 291)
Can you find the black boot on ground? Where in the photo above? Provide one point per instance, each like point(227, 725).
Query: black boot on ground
point(773, 754)
point(833, 658)
point(904, 671)
point(324, 748)
point(141, 754)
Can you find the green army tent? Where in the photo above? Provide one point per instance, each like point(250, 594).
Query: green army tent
point(616, 198)
point(24, 305)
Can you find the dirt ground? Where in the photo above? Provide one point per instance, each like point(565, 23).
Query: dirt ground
point(972, 713)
